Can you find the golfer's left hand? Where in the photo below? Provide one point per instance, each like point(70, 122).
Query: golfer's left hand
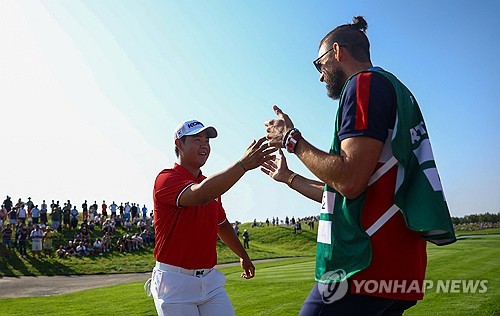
point(248, 268)
point(257, 153)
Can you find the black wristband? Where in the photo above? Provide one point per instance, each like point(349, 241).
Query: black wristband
point(287, 134)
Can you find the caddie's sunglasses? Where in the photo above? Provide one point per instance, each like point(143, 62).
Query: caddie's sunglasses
point(316, 61)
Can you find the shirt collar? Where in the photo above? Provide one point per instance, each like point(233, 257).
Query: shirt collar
point(188, 174)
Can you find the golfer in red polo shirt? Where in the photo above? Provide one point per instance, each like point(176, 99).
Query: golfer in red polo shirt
point(188, 217)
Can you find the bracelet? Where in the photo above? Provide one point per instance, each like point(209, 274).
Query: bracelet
point(292, 140)
point(289, 181)
point(285, 137)
point(242, 166)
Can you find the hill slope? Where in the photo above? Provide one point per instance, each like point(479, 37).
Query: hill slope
point(265, 243)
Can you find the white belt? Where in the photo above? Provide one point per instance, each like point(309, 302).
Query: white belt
point(195, 272)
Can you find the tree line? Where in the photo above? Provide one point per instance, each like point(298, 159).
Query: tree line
point(477, 218)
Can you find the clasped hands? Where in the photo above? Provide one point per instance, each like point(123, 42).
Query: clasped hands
point(259, 153)
point(276, 129)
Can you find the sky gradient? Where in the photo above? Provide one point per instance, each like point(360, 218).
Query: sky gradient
point(92, 91)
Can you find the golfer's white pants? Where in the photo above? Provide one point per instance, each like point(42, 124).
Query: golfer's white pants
point(180, 294)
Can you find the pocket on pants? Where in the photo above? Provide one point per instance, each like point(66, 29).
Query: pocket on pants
point(173, 287)
point(158, 286)
point(218, 279)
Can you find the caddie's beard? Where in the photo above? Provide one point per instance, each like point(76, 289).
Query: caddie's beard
point(335, 82)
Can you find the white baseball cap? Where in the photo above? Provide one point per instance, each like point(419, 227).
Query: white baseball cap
point(193, 127)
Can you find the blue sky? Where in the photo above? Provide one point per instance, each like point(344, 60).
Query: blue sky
point(92, 90)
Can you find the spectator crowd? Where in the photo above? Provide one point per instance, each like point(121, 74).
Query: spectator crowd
point(73, 231)
point(295, 223)
point(64, 229)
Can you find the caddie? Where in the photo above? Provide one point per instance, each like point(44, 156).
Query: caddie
point(379, 189)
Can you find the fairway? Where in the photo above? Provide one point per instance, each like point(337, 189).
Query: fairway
point(276, 289)
point(280, 288)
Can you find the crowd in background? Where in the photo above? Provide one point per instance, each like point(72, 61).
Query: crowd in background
point(476, 226)
point(92, 229)
point(296, 223)
point(64, 229)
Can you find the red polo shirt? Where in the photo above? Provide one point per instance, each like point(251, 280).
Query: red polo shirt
point(185, 236)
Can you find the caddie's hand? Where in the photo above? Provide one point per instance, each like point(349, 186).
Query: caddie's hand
point(277, 128)
point(248, 268)
point(277, 168)
point(257, 153)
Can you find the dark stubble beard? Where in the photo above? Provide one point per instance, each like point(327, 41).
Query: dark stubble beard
point(335, 82)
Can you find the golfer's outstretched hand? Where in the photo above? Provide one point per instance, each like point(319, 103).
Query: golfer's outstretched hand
point(248, 268)
point(277, 128)
point(257, 153)
point(277, 168)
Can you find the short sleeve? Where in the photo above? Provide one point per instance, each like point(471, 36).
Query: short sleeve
point(368, 108)
point(168, 187)
point(222, 213)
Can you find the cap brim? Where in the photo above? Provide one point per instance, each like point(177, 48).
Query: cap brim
point(211, 131)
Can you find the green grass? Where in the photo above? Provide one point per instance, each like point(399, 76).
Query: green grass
point(280, 288)
point(115, 262)
point(273, 242)
point(468, 259)
point(486, 231)
point(265, 243)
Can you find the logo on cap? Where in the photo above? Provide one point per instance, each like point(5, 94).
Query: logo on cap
point(190, 125)
point(193, 127)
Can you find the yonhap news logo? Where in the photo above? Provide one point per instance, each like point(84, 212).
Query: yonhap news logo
point(419, 286)
point(333, 286)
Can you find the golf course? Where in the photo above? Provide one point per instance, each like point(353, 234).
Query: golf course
point(279, 287)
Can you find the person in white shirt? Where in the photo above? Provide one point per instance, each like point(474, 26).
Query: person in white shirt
point(97, 246)
point(137, 241)
point(127, 210)
point(81, 249)
point(21, 214)
point(36, 241)
point(128, 225)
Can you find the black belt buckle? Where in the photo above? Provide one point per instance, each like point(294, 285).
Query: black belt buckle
point(200, 272)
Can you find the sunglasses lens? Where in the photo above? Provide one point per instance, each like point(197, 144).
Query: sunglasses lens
point(318, 67)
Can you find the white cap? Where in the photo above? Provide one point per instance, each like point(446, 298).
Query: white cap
point(193, 127)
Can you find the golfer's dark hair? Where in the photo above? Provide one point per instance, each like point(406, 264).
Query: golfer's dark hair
point(353, 37)
point(183, 140)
